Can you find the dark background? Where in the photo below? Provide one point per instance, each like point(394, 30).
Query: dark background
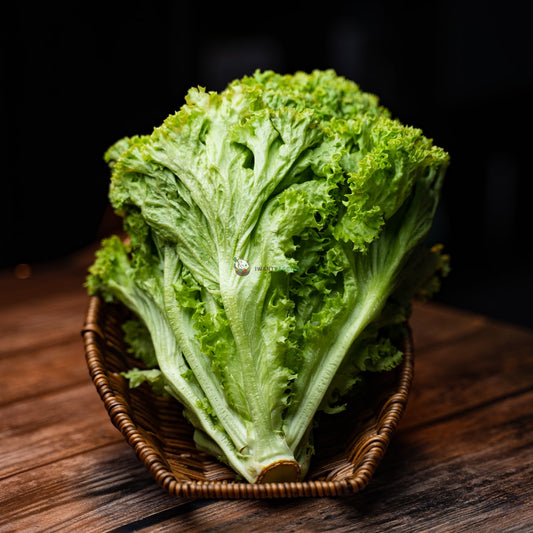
point(76, 77)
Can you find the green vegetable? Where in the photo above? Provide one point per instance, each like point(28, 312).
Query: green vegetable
point(276, 239)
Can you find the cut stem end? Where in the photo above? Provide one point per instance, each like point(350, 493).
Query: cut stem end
point(283, 471)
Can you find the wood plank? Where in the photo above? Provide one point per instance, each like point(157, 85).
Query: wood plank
point(490, 363)
point(434, 323)
point(468, 473)
point(46, 279)
point(30, 373)
point(40, 310)
point(43, 430)
point(45, 322)
point(89, 492)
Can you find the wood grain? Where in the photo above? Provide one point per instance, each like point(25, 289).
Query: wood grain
point(44, 429)
point(42, 370)
point(489, 363)
point(461, 461)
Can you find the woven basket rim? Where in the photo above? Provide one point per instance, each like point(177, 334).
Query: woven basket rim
point(373, 448)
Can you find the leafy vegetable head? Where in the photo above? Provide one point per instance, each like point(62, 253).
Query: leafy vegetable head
point(276, 240)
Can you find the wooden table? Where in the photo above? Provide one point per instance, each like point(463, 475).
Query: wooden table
point(462, 459)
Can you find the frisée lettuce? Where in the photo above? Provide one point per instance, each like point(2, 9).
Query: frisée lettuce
point(276, 237)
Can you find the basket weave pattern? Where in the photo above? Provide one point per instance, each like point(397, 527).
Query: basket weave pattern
point(349, 446)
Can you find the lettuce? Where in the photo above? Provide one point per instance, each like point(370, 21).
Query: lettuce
point(276, 237)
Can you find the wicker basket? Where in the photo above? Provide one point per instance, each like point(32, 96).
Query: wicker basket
point(349, 446)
